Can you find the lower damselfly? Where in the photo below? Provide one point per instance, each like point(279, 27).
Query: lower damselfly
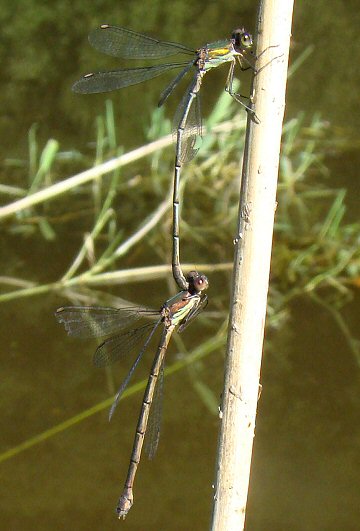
point(128, 44)
point(113, 324)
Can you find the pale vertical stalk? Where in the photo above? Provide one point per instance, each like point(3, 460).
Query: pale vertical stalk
point(251, 268)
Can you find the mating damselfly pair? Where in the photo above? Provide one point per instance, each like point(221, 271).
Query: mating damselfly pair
point(112, 324)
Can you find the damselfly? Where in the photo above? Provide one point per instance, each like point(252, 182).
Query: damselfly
point(113, 325)
point(128, 44)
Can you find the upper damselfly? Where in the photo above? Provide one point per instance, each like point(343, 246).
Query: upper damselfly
point(128, 44)
point(113, 324)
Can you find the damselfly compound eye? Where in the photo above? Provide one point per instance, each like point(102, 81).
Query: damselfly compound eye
point(241, 39)
point(246, 40)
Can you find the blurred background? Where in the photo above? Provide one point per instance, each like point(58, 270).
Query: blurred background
point(305, 473)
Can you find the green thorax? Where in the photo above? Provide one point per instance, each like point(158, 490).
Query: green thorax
point(218, 53)
point(180, 305)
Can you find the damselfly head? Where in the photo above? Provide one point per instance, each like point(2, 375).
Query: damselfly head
point(242, 40)
point(197, 282)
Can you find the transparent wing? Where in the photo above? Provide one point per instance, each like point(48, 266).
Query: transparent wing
point(168, 90)
point(92, 321)
point(188, 117)
point(98, 82)
point(135, 364)
point(116, 347)
point(194, 312)
point(128, 44)
point(154, 423)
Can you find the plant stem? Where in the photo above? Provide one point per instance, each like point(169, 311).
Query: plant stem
point(251, 267)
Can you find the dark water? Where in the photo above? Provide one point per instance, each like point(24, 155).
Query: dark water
point(306, 465)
